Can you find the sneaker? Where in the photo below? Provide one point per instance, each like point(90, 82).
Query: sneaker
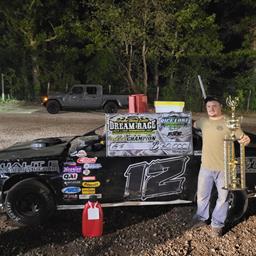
point(216, 232)
point(198, 223)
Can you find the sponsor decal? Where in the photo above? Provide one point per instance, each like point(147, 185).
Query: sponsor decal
point(76, 169)
point(86, 172)
point(89, 178)
point(73, 153)
point(88, 191)
point(74, 182)
point(69, 176)
point(87, 196)
point(92, 166)
point(80, 153)
point(93, 184)
point(34, 166)
point(70, 164)
point(70, 197)
point(174, 121)
point(87, 160)
point(174, 134)
point(71, 190)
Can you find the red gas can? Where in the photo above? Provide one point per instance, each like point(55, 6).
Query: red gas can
point(92, 220)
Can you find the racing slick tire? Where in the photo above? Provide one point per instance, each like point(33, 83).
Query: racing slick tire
point(238, 204)
point(110, 107)
point(29, 202)
point(53, 107)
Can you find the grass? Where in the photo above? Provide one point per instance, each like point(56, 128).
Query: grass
point(12, 105)
point(18, 102)
point(8, 101)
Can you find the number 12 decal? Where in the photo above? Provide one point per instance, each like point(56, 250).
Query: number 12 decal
point(160, 177)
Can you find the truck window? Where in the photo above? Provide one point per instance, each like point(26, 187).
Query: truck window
point(77, 90)
point(91, 90)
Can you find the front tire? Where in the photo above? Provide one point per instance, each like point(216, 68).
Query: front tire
point(53, 107)
point(110, 107)
point(29, 202)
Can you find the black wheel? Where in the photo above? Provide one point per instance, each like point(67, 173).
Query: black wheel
point(238, 203)
point(53, 107)
point(29, 202)
point(110, 107)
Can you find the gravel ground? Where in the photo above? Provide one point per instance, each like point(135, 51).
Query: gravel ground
point(145, 231)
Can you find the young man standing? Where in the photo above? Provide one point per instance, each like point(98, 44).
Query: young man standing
point(212, 166)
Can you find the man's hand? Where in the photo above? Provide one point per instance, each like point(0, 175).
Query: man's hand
point(245, 139)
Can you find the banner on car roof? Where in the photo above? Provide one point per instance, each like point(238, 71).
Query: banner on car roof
point(145, 134)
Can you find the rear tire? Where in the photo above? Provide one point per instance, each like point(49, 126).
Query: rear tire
point(110, 107)
point(53, 107)
point(238, 203)
point(29, 202)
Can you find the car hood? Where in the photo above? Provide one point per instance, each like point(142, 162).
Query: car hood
point(39, 148)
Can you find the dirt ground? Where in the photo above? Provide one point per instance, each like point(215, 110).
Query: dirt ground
point(144, 231)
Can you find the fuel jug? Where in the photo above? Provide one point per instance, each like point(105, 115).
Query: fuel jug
point(92, 219)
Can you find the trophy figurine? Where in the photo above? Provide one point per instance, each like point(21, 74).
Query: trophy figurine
point(234, 171)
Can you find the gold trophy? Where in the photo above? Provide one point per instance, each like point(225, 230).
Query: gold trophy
point(234, 171)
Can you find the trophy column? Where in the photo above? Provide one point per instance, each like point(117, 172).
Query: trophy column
point(234, 171)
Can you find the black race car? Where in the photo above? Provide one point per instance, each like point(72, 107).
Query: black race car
point(44, 175)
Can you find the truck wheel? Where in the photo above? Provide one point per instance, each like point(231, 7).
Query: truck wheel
point(238, 203)
point(29, 202)
point(110, 107)
point(53, 107)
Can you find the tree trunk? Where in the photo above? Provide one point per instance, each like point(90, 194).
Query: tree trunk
point(248, 100)
point(129, 53)
point(24, 92)
point(156, 79)
point(254, 44)
point(35, 76)
point(145, 80)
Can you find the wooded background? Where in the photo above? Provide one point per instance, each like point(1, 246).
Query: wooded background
point(155, 47)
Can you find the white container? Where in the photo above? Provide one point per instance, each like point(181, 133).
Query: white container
point(169, 106)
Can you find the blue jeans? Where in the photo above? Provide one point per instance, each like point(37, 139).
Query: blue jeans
point(206, 179)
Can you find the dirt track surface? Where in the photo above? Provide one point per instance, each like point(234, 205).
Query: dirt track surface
point(16, 127)
point(145, 231)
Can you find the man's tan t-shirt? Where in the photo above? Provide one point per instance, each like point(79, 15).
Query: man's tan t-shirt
point(213, 132)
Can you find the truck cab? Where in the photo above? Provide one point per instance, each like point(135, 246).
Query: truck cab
point(83, 97)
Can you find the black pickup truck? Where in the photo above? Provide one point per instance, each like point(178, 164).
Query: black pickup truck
point(84, 97)
point(44, 175)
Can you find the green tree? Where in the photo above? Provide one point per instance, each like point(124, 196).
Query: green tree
point(143, 33)
point(34, 24)
point(236, 65)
